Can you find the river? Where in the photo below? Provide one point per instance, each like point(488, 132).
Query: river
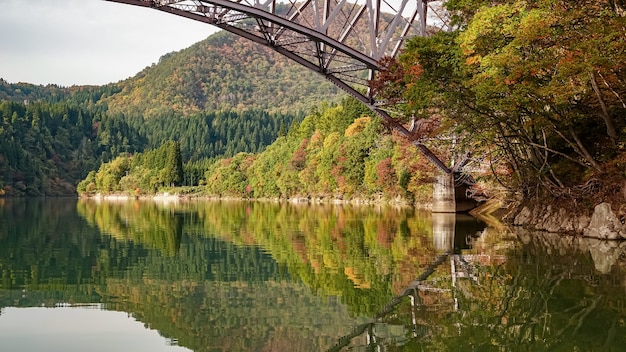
point(82, 275)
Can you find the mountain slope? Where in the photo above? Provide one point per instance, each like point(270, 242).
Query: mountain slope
point(218, 73)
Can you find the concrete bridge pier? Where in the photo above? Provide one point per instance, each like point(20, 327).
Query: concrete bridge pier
point(444, 229)
point(448, 198)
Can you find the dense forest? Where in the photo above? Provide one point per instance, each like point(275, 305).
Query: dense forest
point(46, 147)
point(335, 151)
point(52, 137)
point(223, 72)
point(534, 91)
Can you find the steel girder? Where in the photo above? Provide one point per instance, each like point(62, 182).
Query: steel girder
point(325, 36)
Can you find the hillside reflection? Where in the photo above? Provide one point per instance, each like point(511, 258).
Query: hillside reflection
point(549, 293)
point(261, 276)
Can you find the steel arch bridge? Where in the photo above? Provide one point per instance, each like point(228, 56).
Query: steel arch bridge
point(325, 36)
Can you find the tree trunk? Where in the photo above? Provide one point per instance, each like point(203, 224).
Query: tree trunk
point(610, 129)
point(584, 150)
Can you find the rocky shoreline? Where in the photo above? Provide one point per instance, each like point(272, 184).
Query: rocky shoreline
point(605, 222)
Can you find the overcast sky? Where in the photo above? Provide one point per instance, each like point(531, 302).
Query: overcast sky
point(70, 42)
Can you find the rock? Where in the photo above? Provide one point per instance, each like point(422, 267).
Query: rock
point(554, 220)
point(567, 223)
point(605, 224)
point(604, 253)
point(523, 217)
point(581, 224)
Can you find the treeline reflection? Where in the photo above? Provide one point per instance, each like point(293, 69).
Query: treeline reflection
point(236, 275)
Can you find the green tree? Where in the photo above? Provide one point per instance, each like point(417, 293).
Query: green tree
point(172, 172)
point(535, 86)
point(88, 185)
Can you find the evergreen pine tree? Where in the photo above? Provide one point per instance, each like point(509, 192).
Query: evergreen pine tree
point(173, 170)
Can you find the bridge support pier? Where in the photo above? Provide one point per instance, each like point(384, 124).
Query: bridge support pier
point(444, 194)
point(444, 229)
point(448, 198)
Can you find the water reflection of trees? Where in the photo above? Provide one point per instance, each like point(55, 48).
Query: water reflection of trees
point(363, 256)
point(548, 293)
point(167, 263)
point(550, 297)
point(152, 226)
point(44, 245)
point(200, 271)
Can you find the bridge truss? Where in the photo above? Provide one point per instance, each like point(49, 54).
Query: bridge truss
point(341, 40)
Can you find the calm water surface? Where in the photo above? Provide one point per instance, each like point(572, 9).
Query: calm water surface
point(236, 276)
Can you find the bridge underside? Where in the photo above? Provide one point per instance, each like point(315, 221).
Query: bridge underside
point(325, 36)
point(341, 40)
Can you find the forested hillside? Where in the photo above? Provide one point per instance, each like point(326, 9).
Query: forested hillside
point(51, 137)
point(212, 134)
point(221, 72)
point(336, 151)
point(24, 92)
point(217, 98)
point(534, 90)
point(45, 148)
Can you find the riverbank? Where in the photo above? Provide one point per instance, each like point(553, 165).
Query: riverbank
point(186, 193)
point(604, 220)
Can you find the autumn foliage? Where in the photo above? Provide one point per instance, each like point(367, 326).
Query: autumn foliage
point(535, 87)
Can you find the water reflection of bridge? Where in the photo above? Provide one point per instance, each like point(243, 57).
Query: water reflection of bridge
point(554, 291)
point(452, 234)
